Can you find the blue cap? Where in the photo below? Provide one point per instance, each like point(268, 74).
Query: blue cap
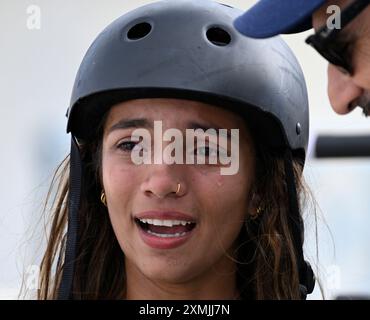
point(269, 18)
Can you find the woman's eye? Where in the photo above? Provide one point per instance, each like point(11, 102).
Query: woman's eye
point(206, 151)
point(127, 146)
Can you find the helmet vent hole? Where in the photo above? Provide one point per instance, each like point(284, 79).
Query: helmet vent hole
point(218, 36)
point(139, 31)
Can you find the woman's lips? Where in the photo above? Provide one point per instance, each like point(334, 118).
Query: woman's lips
point(164, 243)
point(165, 215)
point(167, 239)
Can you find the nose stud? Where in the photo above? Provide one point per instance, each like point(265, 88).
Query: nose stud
point(178, 188)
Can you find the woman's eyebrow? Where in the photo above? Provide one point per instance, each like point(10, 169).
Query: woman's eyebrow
point(131, 123)
point(196, 125)
point(146, 123)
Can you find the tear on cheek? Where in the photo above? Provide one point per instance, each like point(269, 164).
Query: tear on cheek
point(219, 182)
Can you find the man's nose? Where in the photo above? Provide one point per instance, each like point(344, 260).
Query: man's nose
point(342, 90)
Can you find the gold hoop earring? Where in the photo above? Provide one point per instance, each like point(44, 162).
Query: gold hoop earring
point(259, 210)
point(103, 198)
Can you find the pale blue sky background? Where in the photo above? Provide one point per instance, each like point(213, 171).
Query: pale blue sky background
point(37, 70)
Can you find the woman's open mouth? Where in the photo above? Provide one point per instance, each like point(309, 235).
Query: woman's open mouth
point(164, 233)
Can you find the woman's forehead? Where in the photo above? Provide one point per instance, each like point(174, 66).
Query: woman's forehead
point(175, 111)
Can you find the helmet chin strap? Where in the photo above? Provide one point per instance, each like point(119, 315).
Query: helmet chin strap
point(75, 176)
point(306, 275)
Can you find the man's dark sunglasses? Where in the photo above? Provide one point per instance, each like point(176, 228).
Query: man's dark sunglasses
point(324, 39)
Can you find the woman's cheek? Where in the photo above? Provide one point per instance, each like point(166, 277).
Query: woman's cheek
point(119, 185)
point(116, 170)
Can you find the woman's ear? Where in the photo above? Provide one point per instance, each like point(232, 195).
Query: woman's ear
point(254, 206)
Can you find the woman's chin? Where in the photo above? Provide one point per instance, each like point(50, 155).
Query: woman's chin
point(167, 273)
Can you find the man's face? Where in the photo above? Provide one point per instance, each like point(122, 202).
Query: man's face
point(345, 91)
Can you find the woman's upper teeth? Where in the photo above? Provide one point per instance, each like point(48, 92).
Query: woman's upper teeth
point(167, 223)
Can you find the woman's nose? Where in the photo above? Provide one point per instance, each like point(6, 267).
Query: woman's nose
point(163, 182)
point(342, 90)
